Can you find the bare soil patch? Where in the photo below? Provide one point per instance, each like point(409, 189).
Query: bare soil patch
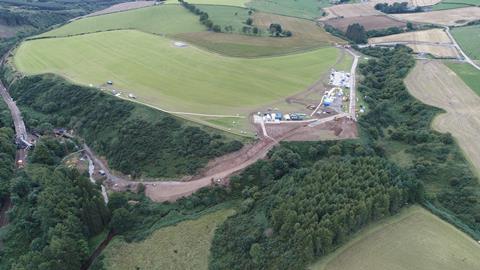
point(450, 17)
point(435, 84)
point(373, 22)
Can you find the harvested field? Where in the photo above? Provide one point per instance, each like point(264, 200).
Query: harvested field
point(122, 7)
point(306, 36)
point(423, 3)
point(350, 10)
point(185, 245)
point(450, 17)
point(427, 36)
point(469, 74)
point(369, 22)
point(435, 50)
point(412, 239)
point(435, 84)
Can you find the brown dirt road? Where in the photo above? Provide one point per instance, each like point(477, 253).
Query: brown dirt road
point(435, 84)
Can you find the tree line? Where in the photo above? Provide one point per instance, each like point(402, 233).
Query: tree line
point(135, 140)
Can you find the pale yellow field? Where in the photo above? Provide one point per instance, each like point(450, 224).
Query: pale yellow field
point(437, 51)
point(182, 246)
point(432, 35)
point(435, 84)
point(451, 17)
point(415, 239)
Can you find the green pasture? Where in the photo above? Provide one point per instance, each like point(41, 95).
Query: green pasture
point(451, 4)
point(238, 3)
point(308, 9)
point(413, 239)
point(172, 78)
point(226, 16)
point(469, 39)
point(164, 19)
point(185, 245)
point(469, 74)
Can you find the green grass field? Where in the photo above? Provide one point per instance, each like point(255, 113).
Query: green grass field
point(451, 4)
point(413, 239)
point(469, 74)
point(308, 9)
point(182, 246)
point(165, 19)
point(238, 3)
point(469, 39)
point(171, 78)
point(226, 16)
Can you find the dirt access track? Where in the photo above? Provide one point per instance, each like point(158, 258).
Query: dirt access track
point(435, 84)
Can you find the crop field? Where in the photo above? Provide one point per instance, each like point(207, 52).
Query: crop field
point(306, 36)
point(413, 239)
point(432, 35)
point(122, 7)
point(307, 9)
point(451, 4)
point(435, 50)
point(451, 17)
point(171, 78)
point(350, 10)
point(237, 3)
point(435, 84)
point(166, 19)
point(469, 74)
point(374, 22)
point(468, 37)
point(182, 246)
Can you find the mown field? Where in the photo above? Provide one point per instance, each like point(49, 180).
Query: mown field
point(182, 246)
point(172, 78)
point(468, 38)
point(469, 74)
point(459, 16)
point(413, 239)
point(238, 3)
point(166, 19)
point(306, 36)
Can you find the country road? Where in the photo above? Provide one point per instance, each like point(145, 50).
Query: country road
point(353, 85)
point(20, 129)
point(465, 56)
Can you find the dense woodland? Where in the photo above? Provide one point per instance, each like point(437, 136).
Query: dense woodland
point(136, 140)
point(7, 152)
point(397, 120)
point(56, 209)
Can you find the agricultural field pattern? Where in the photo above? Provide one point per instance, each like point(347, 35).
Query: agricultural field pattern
point(240, 134)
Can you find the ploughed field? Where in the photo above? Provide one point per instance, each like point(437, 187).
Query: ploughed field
point(184, 79)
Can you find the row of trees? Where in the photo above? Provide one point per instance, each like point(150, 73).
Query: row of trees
point(135, 140)
point(204, 17)
point(396, 8)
